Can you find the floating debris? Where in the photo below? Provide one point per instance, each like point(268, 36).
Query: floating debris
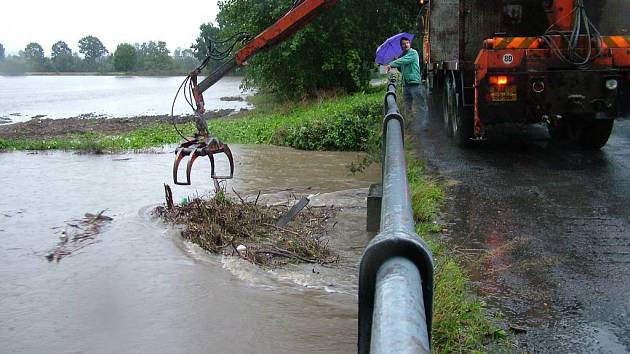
point(78, 234)
point(295, 210)
point(232, 98)
point(237, 227)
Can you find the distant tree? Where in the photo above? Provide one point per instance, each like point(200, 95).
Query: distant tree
point(77, 63)
point(34, 55)
point(34, 51)
point(60, 48)
point(208, 33)
point(47, 65)
point(187, 53)
point(124, 57)
point(1, 52)
point(184, 60)
point(92, 49)
point(106, 64)
point(208, 37)
point(155, 57)
point(139, 57)
point(14, 65)
point(61, 56)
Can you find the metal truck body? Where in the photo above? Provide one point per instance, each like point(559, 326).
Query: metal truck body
point(505, 61)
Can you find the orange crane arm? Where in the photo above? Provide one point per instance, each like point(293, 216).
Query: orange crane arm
point(294, 20)
point(302, 13)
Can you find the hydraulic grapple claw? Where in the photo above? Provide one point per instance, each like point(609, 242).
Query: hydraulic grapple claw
point(195, 148)
point(226, 150)
point(189, 165)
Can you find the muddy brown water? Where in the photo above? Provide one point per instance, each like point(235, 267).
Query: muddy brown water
point(140, 288)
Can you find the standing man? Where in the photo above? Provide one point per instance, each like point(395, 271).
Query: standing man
point(413, 90)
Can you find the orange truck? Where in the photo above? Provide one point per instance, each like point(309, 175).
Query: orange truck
point(563, 63)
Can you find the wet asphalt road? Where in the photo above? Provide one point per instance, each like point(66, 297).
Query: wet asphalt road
point(545, 230)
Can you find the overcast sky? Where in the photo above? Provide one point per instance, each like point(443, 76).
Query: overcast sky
point(112, 21)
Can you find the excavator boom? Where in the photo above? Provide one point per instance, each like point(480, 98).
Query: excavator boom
point(294, 20)
point(301, 14)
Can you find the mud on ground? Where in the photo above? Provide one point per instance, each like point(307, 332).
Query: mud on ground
point(43, 128)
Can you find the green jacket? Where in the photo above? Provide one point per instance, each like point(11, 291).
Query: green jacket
point(409, 65)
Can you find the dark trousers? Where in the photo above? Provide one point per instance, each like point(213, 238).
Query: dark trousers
point(415, 98)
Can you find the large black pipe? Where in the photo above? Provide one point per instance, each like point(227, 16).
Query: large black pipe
point(396, 272)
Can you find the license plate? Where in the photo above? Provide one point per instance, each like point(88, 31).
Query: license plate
point(503, 93)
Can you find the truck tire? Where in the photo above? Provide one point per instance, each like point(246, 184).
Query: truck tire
point(589, 134)
point(595, 134)
point(447, 106)
point(456, 116)
point(434, 99)
point(559, 132)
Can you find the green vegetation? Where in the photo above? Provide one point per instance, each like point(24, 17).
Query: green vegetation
point(61, 56)
point(334, 52)
point(459, 321)
point(206, 42)
point(124, 57)
point(154, 57)
point(149, 58)
point(347, 123)
point(34, 55)
point(93, 50)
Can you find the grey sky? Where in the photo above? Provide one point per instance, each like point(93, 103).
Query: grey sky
point(112, 21)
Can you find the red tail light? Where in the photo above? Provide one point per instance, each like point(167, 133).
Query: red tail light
point(502, 89)
point(501, 80)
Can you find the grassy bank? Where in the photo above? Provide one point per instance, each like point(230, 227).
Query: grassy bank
point(460, 324)
point(346, 123)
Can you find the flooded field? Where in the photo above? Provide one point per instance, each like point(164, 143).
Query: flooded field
point(24, 97)
point(140, 288)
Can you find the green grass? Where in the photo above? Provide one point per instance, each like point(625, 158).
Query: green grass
point(460, 324)
point(346, 123)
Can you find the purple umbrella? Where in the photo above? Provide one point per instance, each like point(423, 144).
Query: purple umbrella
point(390, 49)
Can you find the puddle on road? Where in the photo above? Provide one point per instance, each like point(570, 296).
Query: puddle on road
point(141, 288)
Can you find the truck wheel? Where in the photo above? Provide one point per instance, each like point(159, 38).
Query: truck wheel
point(595, 133)
point(559, 132)
point(456, 116)
point(434, 91)
point(447, 106)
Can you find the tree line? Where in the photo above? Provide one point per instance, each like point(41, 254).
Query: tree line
point(334, 53)
point(153, 58)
